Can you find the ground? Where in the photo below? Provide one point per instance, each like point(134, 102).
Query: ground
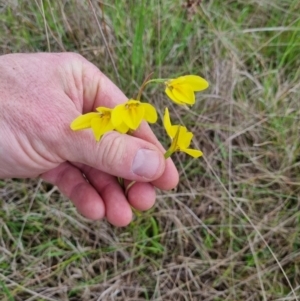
point(230, 230)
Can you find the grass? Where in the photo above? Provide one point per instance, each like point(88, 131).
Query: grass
point(231, 229)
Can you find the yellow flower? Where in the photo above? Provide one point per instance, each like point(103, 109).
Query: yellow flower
point(181, 90)
point(181, 138)
point(132, 113)
point(100, 123)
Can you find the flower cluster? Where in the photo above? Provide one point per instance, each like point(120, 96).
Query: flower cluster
point(129, 115)
point(180, 136)
point(122, 118)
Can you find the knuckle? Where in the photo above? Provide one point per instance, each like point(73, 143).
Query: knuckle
point(112, 150)
point(73, 55)
point(69, 60)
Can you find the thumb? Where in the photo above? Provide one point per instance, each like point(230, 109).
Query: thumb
point(117, 154)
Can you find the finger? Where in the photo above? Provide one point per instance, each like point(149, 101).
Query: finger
point(117, 154)
point(73, 185)
point(170, 177)
point(141, 196)
point(118, 211)
point(99, 90)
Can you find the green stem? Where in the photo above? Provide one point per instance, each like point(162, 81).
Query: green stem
point(146, 82)
point(168, 153)
point(121, 182)
point(156, 80)
point(143, 86)
point(129, 186)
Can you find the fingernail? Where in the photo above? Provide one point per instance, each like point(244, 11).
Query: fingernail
point(146, 163)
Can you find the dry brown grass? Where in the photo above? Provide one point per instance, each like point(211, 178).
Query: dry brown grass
point(230, 231)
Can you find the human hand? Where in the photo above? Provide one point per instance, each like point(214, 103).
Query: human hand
point(40, 95)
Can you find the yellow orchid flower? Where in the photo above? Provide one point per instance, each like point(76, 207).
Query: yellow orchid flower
point(181, 138)
point(100, 122)
point(182, 89)
point(132, 113)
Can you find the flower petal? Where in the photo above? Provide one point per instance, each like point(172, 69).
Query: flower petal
point(122, 128)
point(132, 101)
point(101, 126)
point(133, 116)
point(170, 129)
point(83, 121)
point(185, 138)
point(167, 123)
point(167, 120)
point(117, 114)
point(176, 81)
point(195, 82)
point(184, 94)
point(96, 127)
point(170, 94)
point(192, 152)
point(104, 110)
point(150, 112)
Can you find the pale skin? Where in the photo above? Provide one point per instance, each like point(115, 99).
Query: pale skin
point(40, 95)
